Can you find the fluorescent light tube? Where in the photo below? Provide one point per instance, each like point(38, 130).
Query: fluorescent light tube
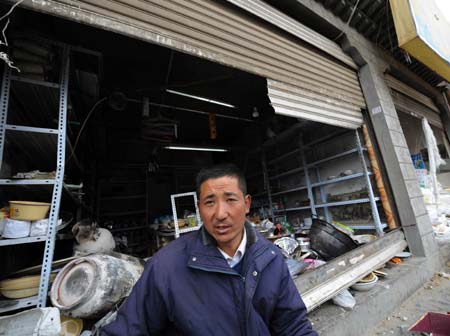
point(202, 149)
point(200, 98)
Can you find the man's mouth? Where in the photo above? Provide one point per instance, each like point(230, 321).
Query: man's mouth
point(222, 228)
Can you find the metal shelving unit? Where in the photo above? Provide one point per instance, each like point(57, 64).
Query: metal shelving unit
point(57, 183)
point(307, 167)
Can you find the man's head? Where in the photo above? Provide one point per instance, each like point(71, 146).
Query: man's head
point(223, 203)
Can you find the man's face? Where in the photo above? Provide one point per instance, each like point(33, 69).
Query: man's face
point(223, 207)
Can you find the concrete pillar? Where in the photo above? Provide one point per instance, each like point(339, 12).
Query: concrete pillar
point(389, 135)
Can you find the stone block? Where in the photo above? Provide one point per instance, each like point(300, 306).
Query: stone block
point(403, 154)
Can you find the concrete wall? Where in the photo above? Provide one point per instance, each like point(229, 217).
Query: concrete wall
point(373, 64)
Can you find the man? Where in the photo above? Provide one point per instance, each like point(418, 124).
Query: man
point(224, 279)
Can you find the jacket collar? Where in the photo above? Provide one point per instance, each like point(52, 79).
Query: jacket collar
point(207, 239)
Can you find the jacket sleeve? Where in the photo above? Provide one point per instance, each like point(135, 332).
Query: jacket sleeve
point(289, 317)
point(144, 312)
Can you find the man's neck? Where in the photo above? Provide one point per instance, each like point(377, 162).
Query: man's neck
point(232, 246)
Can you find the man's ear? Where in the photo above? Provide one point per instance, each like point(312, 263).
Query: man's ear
point(248, 202)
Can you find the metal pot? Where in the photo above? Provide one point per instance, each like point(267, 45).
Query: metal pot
point(90, 286)
point(329, 241)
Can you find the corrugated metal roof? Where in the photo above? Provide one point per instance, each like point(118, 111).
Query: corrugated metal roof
point(373, 19)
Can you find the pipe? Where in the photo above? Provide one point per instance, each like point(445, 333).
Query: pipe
point(380, 185)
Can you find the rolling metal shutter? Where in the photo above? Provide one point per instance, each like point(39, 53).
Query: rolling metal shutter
point(410, 101)
point(224, 33)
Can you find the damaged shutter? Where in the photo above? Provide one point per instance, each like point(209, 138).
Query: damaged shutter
point(324, 88)
point(299, 102)
point(412, 102)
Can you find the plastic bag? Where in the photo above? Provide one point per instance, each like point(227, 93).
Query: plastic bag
point(15, 228)
point(39, 227)
point(344, 299)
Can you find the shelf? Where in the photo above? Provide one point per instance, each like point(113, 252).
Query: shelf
point(350, 202)
point(25, 182)
point(339, 179)
point(31, 129)
point(333, 157)
point(293, 209)
point(289, 191)
point(331, 204)
point(122, 197)
point(286, 173)
point(260, 194)
point(14, 304)
point(274, 160)
point(122, 182)
point(34, 82)
point(130, 228)
point(124, 213)
point(26, 240)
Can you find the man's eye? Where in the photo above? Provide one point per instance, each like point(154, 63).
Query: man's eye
point(209, 203)
point(231, 200)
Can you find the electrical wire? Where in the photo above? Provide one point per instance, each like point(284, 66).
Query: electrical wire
point(348, 21)
point(82, 127)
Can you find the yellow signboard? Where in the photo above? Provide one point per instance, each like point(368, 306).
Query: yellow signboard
point(424, 32)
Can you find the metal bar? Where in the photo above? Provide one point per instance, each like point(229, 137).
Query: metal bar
point(267, 182)
point(130, 228)
point(26, 182)
point(31, 129)
point(26, 240)
point(340, 203)
point(123, 197)
point(313, 164)
point(293, 209)
point(289, 191)
point(10, 305)
point(286, 173)
point(326, 138)
point(4, 105)
point(373, 204)
point(122, 213)
point(338, 179)
point(307, 180)
point(35, 82)
point(323, 197)
point(59, 181)
point(283, 156)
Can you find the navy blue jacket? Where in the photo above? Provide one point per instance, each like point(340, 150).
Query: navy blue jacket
point(188, 288)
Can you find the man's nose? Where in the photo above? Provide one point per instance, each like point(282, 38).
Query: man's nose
point(221, 210)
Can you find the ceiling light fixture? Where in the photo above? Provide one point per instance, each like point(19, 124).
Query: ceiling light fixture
point(193, 148)
point(200, 98)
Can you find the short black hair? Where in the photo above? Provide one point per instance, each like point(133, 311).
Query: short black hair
point(221, 170)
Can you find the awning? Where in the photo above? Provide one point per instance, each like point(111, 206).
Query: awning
point(423, 31)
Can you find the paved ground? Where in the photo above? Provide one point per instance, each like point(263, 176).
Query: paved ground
point(433, 296)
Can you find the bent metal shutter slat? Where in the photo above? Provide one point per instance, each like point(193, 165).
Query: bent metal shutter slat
point(410, 101)
point(224, 33)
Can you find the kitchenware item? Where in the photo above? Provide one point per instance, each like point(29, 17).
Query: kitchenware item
point(287, 244)
point(71, 326)
point(365, 286)
point(329, 241)
point(30, 211)
point(22, 287)
point(304, 243)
